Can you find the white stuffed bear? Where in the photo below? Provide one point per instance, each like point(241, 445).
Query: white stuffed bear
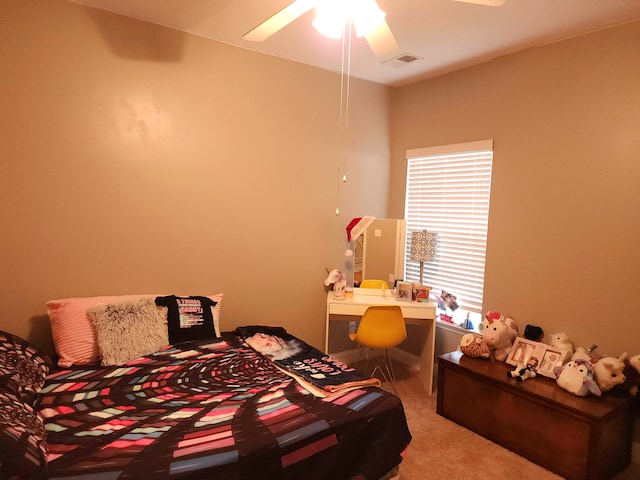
point(560, 341)
point(499, 331)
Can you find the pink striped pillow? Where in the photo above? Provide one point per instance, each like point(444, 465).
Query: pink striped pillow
point(74, 335)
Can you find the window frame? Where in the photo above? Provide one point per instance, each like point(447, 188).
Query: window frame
point(459, 267)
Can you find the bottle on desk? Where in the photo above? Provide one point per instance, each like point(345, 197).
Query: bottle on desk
point(339, 289)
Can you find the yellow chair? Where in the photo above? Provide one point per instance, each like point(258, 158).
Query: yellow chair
point(381, 327)
point(369, 283)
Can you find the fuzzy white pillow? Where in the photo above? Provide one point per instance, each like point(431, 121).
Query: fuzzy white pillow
point(129, 329)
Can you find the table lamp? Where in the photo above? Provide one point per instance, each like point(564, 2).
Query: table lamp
point(423, 248)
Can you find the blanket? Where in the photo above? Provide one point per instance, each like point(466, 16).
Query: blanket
point(318, 373)
point(208, 409)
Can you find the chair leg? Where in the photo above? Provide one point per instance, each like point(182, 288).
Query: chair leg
point(360, 354)
point(384, 366)
point(389, 375)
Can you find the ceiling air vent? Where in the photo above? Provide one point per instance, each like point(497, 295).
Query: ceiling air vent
point(401, 60)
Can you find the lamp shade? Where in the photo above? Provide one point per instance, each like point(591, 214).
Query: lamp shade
point(423, 246)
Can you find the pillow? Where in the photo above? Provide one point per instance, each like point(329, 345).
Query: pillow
point(189, 318)
point(23, 448)
point(74, 335)
point(23, 367)
point(128, 329)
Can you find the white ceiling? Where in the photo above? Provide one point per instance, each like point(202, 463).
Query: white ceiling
point(447, 35)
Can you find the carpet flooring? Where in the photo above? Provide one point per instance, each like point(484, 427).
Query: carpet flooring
point(443, 450)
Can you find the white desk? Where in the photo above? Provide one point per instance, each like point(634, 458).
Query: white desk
point(415, 313)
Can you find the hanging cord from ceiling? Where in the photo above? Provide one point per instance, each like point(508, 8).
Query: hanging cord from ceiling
point(345, 89)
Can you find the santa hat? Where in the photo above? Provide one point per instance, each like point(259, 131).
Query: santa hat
point(356, 227)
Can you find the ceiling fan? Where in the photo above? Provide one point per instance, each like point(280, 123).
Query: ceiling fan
point(333, 15)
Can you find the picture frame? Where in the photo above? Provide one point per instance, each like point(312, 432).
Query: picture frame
point(547, 357)
point(404, 291)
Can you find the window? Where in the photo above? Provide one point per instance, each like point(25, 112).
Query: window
point(448, 190)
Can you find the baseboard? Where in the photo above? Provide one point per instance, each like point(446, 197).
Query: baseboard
point(409, 359)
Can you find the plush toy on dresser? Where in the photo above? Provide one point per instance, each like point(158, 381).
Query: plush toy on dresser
point(474, 346)
point(560, 341)
point(576, 377)
point(633, 376)
point(620, 374)
point(499, 331)
point(609, 372)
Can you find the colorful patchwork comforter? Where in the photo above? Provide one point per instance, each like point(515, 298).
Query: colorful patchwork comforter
point(216, 410)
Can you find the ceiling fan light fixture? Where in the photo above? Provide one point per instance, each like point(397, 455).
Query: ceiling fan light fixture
point(333, 15)
point(367, 16)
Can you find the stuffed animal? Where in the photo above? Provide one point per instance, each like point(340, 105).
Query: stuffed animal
point(608, 372)
point(581, 354)
point(576, 377)
point(499, 331)
point(533, 333)
point(588, 354)
point(560, 341)
point(475, 346)
point(635, 363)
point(631, 373)
point(525, 371)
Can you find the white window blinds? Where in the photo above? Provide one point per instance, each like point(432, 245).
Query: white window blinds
point(448, 190)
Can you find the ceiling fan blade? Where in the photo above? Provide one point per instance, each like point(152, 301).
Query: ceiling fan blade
point(382, 41)
point(491, 3)
point(281, 19)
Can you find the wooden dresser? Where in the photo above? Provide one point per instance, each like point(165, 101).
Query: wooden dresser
point(576, 437)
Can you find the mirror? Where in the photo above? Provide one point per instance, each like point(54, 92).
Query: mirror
point(379, 252)
point(358, 255)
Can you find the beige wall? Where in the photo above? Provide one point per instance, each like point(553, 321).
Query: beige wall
point(137, 159)
point(564, 230)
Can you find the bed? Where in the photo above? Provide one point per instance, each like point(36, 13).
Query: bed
point(214, 408)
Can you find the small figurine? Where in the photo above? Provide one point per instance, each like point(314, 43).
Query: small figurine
point(467, 324)
point(525, 370)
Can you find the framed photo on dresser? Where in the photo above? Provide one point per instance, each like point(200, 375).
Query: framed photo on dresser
point(546, 357)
